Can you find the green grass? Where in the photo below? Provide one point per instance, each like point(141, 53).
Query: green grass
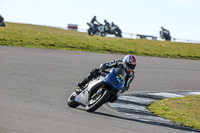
point(24, 35)
point(184, 110)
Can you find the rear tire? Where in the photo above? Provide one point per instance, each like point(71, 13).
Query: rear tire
point(94, 104)
point(71, 100)
point(91, 32)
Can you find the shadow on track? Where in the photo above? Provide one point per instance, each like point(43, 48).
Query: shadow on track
point(174, 126)
point(180, 127)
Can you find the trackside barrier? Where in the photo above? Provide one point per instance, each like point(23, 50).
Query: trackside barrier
point(149, 37)
point(72, 27)
point(139, 36)
point(135, 36)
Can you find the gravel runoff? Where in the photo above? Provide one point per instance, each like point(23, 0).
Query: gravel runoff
point(136, 105)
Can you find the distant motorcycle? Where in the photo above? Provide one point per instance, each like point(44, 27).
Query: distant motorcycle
point(2, 21)
point(95, 29)
point(165, 35)
point(99, 91)
point(112, 30)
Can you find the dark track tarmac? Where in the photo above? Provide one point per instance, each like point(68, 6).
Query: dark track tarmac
point(35, 83)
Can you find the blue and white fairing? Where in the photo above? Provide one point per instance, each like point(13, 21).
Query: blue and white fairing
point(116, 78)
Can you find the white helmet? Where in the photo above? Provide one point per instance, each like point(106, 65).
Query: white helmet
point(129, 62)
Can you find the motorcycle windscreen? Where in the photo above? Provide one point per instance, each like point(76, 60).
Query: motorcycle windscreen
point(116, 78)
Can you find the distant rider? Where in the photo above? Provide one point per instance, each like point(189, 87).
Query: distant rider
point(94, 25)
point(164, 31)
point(113, 26)
point(107, 25)
point(2, 21)
point(128, 64)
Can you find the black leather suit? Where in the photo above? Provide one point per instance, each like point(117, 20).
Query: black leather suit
point(116, 63)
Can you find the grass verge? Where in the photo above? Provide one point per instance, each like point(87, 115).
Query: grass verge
point(184, 110)
point(24, 35)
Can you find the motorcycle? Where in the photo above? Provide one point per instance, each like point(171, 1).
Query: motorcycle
point(2, 22)
point(165, 35)
point(99, 91)
point(113, 30)
point(95, 29)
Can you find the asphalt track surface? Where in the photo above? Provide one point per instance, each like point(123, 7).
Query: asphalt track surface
point(35, 83)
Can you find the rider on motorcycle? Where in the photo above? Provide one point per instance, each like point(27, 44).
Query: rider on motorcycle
point(107, 25)
point(2, 21)
point(162, 31)
point(128, 64)
point(113, 26)
point(94, 19)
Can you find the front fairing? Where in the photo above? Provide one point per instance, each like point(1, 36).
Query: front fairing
point(116, 78)
point(100, 28)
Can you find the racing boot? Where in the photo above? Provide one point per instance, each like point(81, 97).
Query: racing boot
point(92, 75)
point(83, 83)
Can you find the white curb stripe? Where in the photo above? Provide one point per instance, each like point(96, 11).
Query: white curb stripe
point(137, 99)
point(129, 106)
point(134, 109)
point(194, 93)
point(165, 94)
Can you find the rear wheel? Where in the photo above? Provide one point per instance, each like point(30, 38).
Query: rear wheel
point(91, 32)
point(71, 100)
point(97, 99)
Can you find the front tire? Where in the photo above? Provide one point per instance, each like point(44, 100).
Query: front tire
point(103, 34)
point(71, 100)
point(118, 33)
point(4, 25)
point(97, 101)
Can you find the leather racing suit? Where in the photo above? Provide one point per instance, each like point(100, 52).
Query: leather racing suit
point(95, 72)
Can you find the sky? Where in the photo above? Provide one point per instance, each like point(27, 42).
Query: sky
point(180, 17)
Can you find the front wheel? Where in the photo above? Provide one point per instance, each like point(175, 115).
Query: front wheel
point(4, 25)
point(103, 34)
point(118, 34)
point(168, 38)
point(97, 100)
point(71, 100)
